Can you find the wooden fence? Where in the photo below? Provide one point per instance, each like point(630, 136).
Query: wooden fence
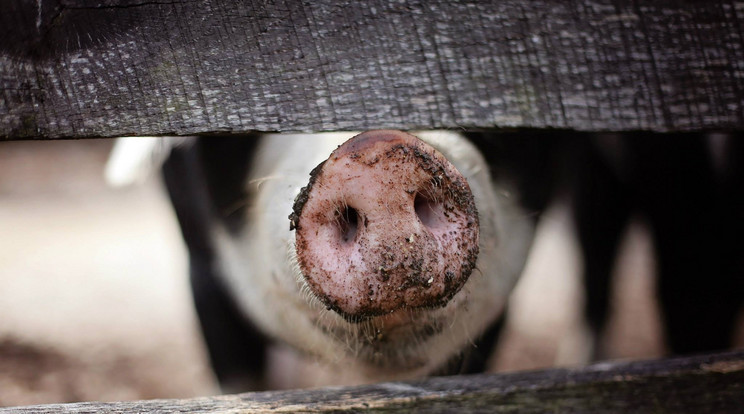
point(76, 68)
point(700, 384)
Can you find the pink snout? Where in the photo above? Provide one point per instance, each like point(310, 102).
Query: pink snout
point(386, 223)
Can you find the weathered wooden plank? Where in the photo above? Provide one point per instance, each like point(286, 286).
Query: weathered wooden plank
point(74, 68)
point(710, 383)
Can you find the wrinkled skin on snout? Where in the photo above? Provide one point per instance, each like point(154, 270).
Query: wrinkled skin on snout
point(399, 251)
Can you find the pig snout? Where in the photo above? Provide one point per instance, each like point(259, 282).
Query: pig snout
point(386, 223)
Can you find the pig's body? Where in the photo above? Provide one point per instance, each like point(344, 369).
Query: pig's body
point(249, 290)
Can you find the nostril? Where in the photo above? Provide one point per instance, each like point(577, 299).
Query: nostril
point(428, 210)
point(348, 223)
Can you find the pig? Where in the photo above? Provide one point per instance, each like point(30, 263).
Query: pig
point(330, 248)
point(382, 255)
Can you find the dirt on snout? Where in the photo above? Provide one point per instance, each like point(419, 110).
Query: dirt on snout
point(386, 223)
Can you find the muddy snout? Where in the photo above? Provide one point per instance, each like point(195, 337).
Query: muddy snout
point(385, 223)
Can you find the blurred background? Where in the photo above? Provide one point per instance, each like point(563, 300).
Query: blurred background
point(95, 303)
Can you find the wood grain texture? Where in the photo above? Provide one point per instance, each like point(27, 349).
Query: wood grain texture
point(74, 68)
point(712, 383)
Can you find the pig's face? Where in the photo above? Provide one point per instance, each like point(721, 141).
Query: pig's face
point(343, 288)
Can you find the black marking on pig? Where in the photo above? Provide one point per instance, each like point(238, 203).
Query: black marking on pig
point(200, 187)
point(695, 215)
point(225, 162)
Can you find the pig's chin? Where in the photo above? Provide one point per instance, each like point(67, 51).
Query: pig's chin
point(400, 341)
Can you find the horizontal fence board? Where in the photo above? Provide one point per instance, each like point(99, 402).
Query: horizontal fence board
point(75, 69)
point(707, 383)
